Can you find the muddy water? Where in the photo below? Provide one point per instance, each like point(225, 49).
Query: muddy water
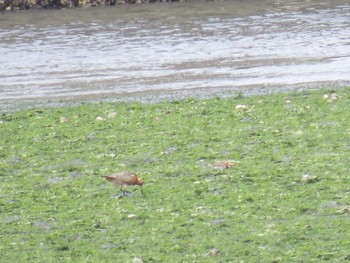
point(213, 47)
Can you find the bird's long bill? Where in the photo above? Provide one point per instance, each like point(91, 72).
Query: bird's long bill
point(141, 189)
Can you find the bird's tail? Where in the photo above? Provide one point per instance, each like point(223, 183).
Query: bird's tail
point(109, 178)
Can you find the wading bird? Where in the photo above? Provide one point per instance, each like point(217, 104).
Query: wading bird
point(222, 165)
point(124, 179)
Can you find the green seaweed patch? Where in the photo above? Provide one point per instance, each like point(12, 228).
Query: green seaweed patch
point(251, 179)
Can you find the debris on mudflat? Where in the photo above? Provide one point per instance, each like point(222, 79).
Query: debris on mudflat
point(306, 178)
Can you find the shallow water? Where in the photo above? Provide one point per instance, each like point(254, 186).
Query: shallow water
point(207, 46)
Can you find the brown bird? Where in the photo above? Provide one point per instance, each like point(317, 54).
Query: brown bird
point(124, 179)
point(222, 165)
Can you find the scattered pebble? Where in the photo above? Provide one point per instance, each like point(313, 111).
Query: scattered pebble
point(331, 97)
point(288, 104)
point(63, 119)
point(306, 178)
point(299, 132)
point(242, 107)
point(99, 118)
point(132, 216)
point(137, 260)
point(344, 210)
point(213, 252)
point(112, 115)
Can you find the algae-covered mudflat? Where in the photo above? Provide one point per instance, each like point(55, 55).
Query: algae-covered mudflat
point(283, 198)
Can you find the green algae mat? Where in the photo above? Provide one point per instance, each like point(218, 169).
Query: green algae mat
point(240, 179)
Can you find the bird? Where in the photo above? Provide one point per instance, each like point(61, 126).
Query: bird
point(222, 165)
point(124, 179)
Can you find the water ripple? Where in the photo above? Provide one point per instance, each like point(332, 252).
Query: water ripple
point(48, 55)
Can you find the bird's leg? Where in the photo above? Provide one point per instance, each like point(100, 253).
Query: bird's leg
point(141, 190)
point(121, 189)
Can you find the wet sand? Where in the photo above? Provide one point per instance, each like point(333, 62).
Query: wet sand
point(166, 95)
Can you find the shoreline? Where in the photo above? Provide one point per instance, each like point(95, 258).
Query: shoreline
point(165, 95)
point(12, 5)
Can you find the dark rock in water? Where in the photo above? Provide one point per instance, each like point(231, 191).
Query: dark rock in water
point(58, 4)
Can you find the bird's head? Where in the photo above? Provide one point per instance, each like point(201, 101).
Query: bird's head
point(139, 181)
